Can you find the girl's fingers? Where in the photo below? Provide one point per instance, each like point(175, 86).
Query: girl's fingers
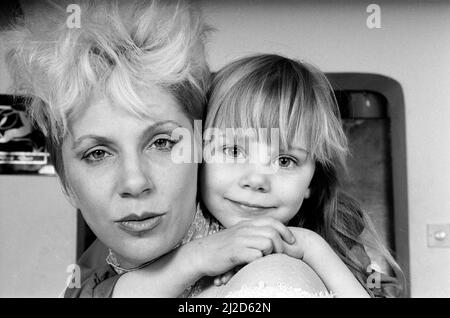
point(272, 243)
point(258, 241)
point(249, 250)
point(282, 229)
point(226, 277)
point(267, 241)
point(293, 250)
point(218, 281)
point(276, 240)
point(251, 255)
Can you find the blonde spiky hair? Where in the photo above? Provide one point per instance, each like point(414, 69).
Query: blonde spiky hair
point(120, 49)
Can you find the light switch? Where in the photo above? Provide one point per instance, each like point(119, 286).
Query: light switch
point(438, 235)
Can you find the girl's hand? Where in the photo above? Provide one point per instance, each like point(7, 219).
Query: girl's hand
point(241, 244)
point(225, 278)
point(297, 249)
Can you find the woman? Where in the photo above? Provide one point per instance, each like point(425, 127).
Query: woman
point(108, 96)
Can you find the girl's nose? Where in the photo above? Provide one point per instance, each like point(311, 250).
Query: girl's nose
point(255, 181)
point(135, 179)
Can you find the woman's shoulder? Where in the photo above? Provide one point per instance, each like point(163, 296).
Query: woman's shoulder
point(94, 256)
point(275, 275)
point(95, 278)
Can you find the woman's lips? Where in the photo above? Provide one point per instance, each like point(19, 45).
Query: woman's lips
point(140, 225)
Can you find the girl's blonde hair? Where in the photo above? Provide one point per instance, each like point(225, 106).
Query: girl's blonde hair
point(270, 91)
point(118, 50)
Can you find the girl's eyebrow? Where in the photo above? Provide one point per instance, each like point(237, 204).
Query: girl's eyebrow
point(299, 149)
point(296, 149)
point(101, 139)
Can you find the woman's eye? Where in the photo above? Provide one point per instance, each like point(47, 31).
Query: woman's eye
point(96, 155)
point(233, 152)
point(163, 144)
point(285, 162)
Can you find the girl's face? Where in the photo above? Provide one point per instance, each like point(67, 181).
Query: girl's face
point(244, 182)
point(121, 176)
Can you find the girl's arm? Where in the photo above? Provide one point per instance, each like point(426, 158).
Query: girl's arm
point(210, 256)
point(319, 255)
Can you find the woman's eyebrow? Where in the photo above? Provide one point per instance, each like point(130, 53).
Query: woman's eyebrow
point(96, 138)
point(104, 140)
point(156, 126)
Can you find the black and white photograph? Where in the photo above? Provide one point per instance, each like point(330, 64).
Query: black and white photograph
point(213, 149)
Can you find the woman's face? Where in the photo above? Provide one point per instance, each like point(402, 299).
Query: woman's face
point(249, 179)
point(134, 197)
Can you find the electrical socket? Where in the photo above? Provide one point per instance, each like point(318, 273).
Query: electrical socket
point(438, 235)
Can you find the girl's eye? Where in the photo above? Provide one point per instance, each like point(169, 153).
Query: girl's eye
point(233, 152)
point(96, 155)
point(285, 162)
point(163, 144)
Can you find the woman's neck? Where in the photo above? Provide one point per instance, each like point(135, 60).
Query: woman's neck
point(122, 264)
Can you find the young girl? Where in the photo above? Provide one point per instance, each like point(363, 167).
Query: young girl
point(270, 91)
point(274, 155)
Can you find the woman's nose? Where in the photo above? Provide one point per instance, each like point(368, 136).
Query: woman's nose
point(255, 181)
point(135, 179)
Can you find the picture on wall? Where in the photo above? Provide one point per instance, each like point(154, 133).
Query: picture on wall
point(22, 146)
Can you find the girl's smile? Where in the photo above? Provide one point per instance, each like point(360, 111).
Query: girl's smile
point(250, 208)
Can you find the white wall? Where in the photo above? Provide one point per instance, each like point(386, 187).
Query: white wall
point(412, 47)
point(37, 236)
